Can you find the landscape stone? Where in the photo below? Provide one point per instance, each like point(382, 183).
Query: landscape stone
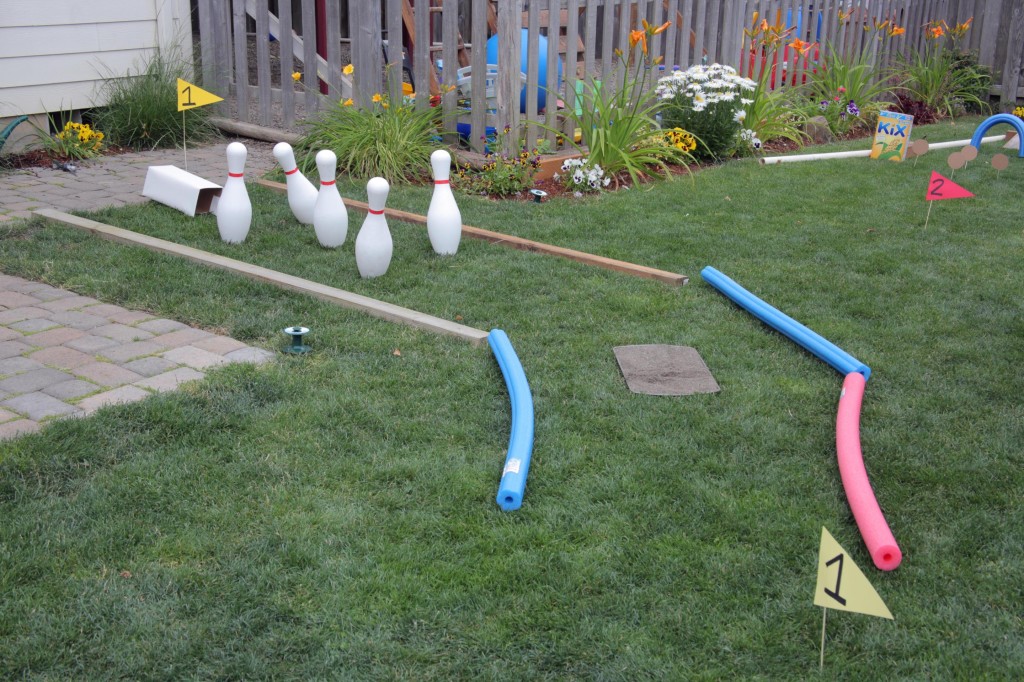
point(33, 380)
point(18, 428)
point(105, 373)
point(18, 365)
point(117, 396)
point(818, 130)
point(149, 366)
point(39, 406)
point(69, 390)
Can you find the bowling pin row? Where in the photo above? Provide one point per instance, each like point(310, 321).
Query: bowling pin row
point(325, 210)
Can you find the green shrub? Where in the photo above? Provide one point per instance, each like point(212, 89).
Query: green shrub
point(949, 83)
point(142, 108)
point(393, 142)
point(707, 102)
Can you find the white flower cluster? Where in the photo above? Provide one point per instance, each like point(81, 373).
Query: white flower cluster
point(580, 174)
point(750, 137)
point(703, 86)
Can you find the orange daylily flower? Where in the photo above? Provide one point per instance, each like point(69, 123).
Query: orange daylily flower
point(936, 32)
point(652, 31)
point(638, 37)
point(895, 30)
point(802, 47)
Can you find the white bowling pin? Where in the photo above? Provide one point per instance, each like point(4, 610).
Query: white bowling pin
point(234, 210)
point(444, 221)
point(301, 192)
point(330, 217)
point(373, 243)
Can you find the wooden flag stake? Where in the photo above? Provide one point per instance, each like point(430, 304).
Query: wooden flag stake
point(821, 661)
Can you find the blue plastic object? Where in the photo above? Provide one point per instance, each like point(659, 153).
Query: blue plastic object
point(840, 360)
point(520, 443)
point(996, 119)
point(465, 130)
point(542, 66)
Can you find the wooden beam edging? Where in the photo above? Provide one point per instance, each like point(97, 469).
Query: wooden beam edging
point(347, 299)
point(519, 243)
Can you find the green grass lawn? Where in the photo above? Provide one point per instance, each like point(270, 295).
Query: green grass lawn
point(333, 516)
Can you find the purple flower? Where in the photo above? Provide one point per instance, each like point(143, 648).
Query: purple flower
point(852, 109)
point(823, 104)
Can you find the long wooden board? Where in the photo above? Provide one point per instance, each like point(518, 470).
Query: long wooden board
point(519, 243)
point(347, 299)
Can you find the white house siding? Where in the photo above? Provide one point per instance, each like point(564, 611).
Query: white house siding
point(55, 54)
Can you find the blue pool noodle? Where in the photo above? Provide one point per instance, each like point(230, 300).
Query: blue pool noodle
point(840, 360)
point(996, 119)
point(520, 442)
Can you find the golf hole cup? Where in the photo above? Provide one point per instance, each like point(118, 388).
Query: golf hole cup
point(296, 334)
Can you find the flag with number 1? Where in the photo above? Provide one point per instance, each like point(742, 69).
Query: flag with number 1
point(842, 585)
point(192, 96)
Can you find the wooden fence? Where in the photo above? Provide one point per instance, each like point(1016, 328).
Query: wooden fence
point(589, 35)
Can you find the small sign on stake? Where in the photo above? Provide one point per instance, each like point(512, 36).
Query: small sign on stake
point(190, 97)
point(843, 586)
point(939, 188)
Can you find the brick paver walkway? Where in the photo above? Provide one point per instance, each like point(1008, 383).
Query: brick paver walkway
point(62, 354)
point(117, 180)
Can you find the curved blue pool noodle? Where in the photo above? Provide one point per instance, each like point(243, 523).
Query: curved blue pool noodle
point(520, 442)
point(996, 119)
point(840, 360)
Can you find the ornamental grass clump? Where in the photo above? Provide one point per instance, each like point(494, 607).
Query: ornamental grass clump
point(706, 101)
point(392, 141)
point(142, 107)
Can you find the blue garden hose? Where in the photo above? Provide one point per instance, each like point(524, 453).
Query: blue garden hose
point(520, 442)
point(840, 360)
point(10, 129)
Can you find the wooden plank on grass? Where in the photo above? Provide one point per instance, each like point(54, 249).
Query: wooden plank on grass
point(519, 242)
point(347, 299)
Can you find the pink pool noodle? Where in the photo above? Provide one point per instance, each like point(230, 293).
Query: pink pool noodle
point(879, 539)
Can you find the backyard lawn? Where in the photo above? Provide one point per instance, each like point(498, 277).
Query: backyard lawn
point(333, 515)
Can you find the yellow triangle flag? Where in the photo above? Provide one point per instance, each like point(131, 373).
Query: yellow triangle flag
point(192, 96)
point(842, 585)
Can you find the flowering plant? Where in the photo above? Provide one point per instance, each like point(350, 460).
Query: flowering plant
point(501, 174)
point(583, 175)
point(841, 113)
point(616, 122)
point(74, 141)
point(80, 140)
point(1018, 112)
point(707, 102)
